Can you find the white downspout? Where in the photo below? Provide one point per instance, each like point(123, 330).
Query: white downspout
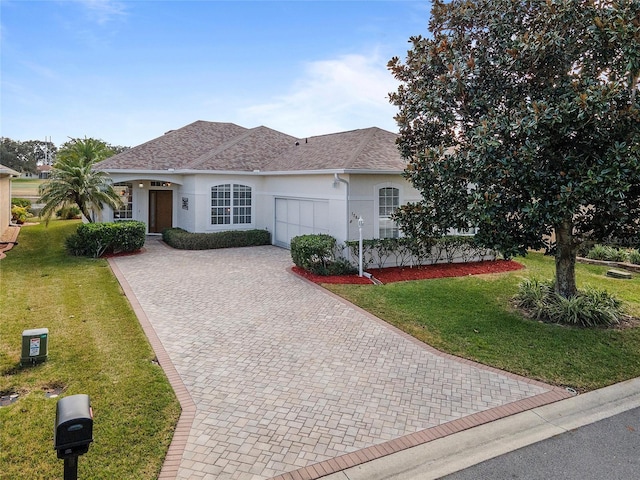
point(336, 178)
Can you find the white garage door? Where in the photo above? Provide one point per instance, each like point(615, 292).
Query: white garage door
point(300, 217)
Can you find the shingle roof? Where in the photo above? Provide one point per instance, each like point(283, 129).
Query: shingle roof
point(4, 171)
point(365, 149)
point(215, 146)
point(176, 148)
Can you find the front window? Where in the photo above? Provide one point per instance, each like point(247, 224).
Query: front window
point(126, 212)
point(388, 203)
point(230, 204)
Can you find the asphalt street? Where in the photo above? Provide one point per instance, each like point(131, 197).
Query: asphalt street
point(605, 450)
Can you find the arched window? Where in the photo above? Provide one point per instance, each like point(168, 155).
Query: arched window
point(388, 202)
point(230, 204)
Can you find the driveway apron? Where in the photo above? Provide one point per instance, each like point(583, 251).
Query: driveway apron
point(290, 381)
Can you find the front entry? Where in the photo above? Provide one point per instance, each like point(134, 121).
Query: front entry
point(160, 210)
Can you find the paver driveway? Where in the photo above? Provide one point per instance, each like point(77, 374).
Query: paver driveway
point(288, 380)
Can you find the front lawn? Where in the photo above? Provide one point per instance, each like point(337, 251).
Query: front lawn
point(472, 317)
point(96, 346)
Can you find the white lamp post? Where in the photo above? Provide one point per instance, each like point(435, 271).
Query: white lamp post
point(360, 224)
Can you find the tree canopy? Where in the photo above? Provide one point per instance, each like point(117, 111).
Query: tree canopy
point(521, 118)
point(25, 156)
point(74, 181)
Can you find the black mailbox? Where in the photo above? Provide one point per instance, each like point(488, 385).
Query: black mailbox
point(74, 426)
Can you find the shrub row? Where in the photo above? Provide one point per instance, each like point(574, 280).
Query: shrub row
point(183, 240)
point(96, 239)
point(613, 254)
point(317, 254)
point(21, 202)
point(591, 307)
point(406, 251)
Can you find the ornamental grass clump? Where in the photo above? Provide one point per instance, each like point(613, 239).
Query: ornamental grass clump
point(591, 307)
point(607, 253)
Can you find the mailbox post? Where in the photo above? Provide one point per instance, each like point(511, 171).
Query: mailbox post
point(73, 431)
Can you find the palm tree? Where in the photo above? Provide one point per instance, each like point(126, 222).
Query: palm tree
point(73, 181)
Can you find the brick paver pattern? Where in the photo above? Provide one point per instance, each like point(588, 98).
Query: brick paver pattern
point(285, 375)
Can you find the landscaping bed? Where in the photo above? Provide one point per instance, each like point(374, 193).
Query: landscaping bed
point(423, 272)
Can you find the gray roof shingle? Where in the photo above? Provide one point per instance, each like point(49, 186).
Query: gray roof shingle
point(212, 146)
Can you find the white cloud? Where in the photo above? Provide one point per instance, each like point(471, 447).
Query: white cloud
point(103, 11)
point(334, 95)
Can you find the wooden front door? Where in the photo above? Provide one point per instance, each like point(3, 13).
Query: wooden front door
point(160, 210)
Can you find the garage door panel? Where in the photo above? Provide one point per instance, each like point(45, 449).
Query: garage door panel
point(293, 212)
point(281, 236)
point(281, 209)
point(299, 217)
point(307, 214)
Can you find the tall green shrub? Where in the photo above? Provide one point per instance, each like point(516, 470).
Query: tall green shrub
point(316, 253)
point(96, 239)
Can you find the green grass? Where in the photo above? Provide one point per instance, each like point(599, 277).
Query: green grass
point(25, 187)
point(471, 317)
point(96, 346)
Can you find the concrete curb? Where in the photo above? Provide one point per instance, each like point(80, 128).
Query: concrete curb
point(459, 451)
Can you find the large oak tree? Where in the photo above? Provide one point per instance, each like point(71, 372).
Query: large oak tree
point(521, 118)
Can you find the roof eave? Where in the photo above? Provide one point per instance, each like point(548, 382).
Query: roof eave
point(326, 171)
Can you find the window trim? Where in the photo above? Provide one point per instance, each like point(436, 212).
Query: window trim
point(376, 210)
point(236, 207)
point(128, 210)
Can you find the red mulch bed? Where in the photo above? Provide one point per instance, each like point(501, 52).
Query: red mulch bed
point(399, 274)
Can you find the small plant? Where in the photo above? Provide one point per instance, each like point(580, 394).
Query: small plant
point(634, 256)
point(19, 214)
point(591, 307)
point(607, 253)
point(341, 266)
point(532, 296)
point(69, 213)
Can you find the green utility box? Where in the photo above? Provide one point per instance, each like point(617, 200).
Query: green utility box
point(35, 346)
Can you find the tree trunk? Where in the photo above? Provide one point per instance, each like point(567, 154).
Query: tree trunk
point(566, 252)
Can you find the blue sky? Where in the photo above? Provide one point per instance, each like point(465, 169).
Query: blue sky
point(128, 71)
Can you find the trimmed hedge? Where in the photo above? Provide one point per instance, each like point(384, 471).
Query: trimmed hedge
point(316, 253)
point(96, 239)
point(407, 251)
point(183, 240)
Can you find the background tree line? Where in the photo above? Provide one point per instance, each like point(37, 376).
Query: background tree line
point(25, 156)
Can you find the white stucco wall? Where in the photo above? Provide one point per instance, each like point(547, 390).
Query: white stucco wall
point(192, 198)
point(364, 201)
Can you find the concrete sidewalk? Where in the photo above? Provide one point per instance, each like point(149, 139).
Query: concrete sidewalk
point(280, 379)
